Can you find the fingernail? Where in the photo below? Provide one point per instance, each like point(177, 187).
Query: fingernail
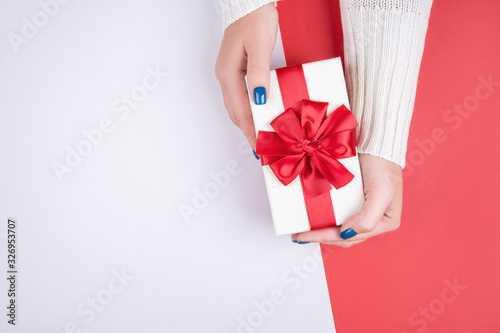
point(259, 95)
point(255, 154)
point(348, 234)
point(303, 242)
point(294, 241)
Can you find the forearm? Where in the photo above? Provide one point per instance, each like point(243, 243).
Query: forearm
point(383, 46)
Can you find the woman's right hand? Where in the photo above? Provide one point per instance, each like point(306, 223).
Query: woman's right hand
point(246, 49)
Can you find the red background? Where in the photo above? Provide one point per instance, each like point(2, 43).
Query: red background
point(451, 216)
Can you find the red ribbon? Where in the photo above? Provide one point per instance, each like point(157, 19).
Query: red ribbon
point(308, 143)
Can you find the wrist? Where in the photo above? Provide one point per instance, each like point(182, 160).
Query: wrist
point(234, 10)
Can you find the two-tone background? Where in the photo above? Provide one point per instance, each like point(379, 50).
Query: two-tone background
point(140, 207)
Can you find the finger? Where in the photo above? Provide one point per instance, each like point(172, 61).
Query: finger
point(258, 71)
point(347, 243)
point(228, 104)
point(368, 218)
point(230, 70)
point(237, 104)
point(242, 111)
point(295, 240)
point(329, 236)
point(325, 235)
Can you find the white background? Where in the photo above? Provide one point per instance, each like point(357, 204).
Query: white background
point(118, 210)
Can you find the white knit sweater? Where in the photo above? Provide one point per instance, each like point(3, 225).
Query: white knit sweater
point(383, 46)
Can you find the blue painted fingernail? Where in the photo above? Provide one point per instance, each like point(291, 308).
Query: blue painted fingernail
point(259, 95)
point(255, 154)
point(303, 242)
point(348, 234)
point(294, 241)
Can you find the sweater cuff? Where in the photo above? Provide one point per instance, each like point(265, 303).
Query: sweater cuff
point(233, 10)
point(383, 47)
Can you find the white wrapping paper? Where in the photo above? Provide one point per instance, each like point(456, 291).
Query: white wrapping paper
point(325, 83)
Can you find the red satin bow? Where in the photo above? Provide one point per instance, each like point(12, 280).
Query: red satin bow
point(308, 143)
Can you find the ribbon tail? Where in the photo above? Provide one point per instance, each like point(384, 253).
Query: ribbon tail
point(313, 182)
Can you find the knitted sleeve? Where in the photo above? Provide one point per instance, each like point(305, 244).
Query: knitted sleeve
point(383, 46)
point(232, 10)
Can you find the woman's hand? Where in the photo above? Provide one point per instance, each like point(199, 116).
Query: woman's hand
point(246, 49)
point(381, 212)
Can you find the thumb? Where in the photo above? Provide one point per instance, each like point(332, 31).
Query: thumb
point(258, 74)
point(367, 219)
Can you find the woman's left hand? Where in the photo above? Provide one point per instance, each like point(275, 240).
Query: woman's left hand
point(381, 211)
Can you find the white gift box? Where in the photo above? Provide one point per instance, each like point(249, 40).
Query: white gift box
point(325, 83)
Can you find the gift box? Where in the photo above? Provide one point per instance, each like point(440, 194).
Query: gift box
point(306, 143)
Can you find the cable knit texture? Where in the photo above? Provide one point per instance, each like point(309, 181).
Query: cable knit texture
point(232, 10)
point(383, 46)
